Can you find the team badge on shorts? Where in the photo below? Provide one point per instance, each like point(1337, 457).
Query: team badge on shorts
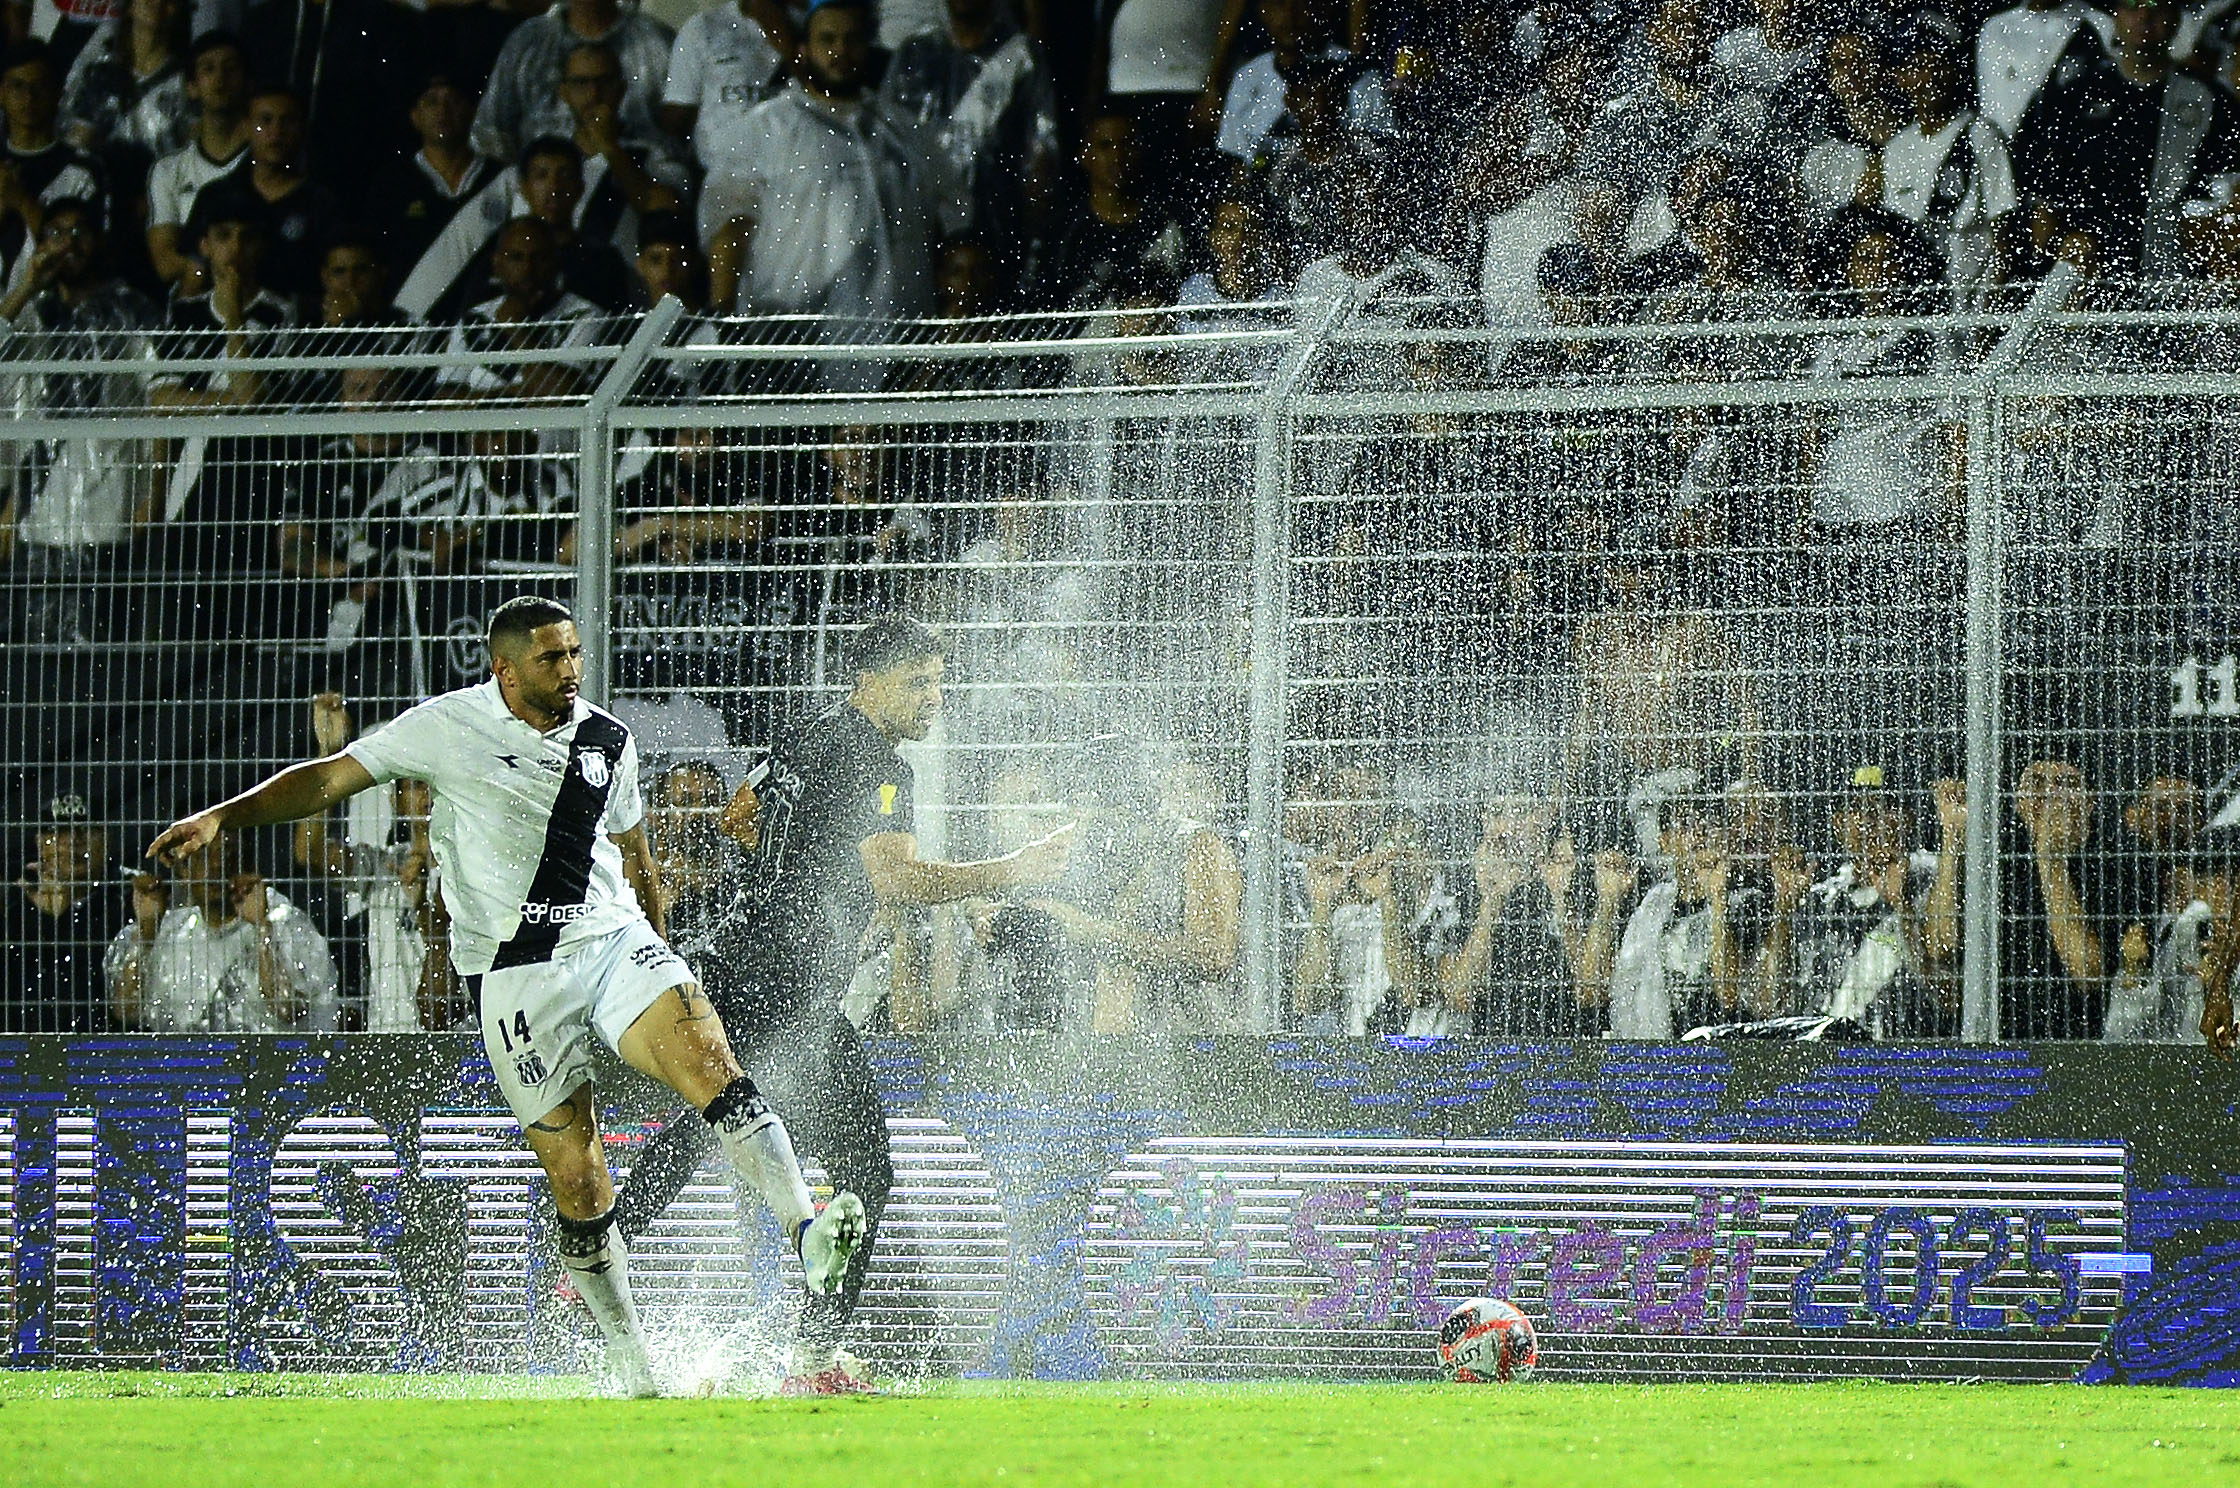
point(528, 1067)
point(593, 764)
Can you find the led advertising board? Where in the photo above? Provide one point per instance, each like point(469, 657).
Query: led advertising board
point(1217, 1208)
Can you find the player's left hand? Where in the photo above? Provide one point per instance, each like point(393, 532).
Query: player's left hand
point(184, 838)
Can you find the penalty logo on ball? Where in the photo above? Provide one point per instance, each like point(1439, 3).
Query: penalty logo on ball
point(1486, 1341)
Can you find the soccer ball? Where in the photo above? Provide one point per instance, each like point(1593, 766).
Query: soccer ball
point(1486, 1341)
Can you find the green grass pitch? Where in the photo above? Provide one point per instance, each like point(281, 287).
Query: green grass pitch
point(279, 1431)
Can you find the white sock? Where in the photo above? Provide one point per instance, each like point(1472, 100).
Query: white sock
point(812, 1356)
point(762, 1155)
point(599, 1264)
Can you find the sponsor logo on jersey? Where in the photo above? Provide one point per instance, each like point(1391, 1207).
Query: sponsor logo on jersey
point(887, 793)
point(553, 914)
point(594, 767)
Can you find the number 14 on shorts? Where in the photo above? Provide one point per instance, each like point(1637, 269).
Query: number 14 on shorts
point(516, 1036)
point(528, 1064)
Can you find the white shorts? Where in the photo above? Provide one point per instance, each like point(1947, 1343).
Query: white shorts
point(537, 1021)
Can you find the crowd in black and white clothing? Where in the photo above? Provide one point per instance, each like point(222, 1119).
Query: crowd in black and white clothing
point(195, 183)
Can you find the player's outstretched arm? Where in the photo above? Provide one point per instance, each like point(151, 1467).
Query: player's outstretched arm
point(899, 876)
point(298, 791)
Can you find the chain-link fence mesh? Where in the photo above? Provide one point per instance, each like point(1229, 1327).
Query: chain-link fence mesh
point(1624, 679)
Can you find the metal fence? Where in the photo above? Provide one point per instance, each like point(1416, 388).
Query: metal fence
point(1406, 677)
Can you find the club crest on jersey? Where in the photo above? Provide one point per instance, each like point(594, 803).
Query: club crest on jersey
point(528, 1067)
point(594, 767)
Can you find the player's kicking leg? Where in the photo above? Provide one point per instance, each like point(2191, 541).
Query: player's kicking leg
point(567, 1142)
point(537, 1029)
point(678, 1041)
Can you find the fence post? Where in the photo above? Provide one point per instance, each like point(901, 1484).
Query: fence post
point(594, 604)
point(1979, 995)
point(1096, 494)
point(1979, 958)
point(1271, 603)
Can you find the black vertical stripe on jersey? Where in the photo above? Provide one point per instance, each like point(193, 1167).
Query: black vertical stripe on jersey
point(564, 872)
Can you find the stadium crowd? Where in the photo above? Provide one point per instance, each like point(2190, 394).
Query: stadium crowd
point(509, 178)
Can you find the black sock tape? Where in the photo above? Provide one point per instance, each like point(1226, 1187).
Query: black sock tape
point(738, 1105)
point(580, 1238)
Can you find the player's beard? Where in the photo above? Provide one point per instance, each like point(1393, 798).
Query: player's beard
point(553, 702)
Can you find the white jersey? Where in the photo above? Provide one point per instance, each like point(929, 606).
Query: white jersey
point(722, 65)
point(521, 821)
point(177, 179)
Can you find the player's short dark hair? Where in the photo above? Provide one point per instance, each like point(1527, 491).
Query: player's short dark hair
point(519, 618)
point(892, 641)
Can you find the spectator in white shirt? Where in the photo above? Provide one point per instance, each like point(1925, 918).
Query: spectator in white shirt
point(1947, 170)
point(524, 100)
point(384, 864)
point(1763, 57)
point(728, 59)
point(125, 98)
point(235, 957)
point(1254, 106)
point(1692, 952)
point(982, 90)
point(1370, 913)
point(839, 203)
point(218, 85)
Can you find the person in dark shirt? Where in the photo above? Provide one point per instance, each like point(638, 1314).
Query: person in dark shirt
point(2115, 145)
point(221, 543)
point(684, 827)
point(1514, 974)
point(2056, 946)
point(416, 197)
point(1877, 941)
point(300, 213)
point(38, 167)
point(827, 819)
point(1116, 235)
point(985, 92)
point(60, 915)
point(235, 316)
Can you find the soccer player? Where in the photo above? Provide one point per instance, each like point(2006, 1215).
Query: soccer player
point(829, 818)
point(539, 832)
